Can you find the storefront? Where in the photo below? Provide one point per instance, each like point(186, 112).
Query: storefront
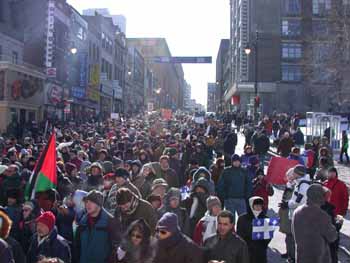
point(21, 95)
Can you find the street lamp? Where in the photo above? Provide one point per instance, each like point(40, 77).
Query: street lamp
point(73, 50)
point(248, 51)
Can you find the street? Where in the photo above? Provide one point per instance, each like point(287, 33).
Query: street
point(277, 245)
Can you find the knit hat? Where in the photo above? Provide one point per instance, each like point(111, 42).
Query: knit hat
point(316, 194)
point(235, 157)
point(29, 204)
point(173, 193)
point(153, 197)
point(121, 172)
point(95, 197)
point(3, 168)
point(48, 219)
point(299, 170)
point(168, 222)
point(117, 161)
point(213, 201)
point(137, 163)
point(159, 182)
point(108, 167)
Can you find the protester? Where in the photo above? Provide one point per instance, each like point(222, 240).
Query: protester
point(312, 228)
point(172, 245)
point(285, 145)
point(225, 245)
point(47, 242)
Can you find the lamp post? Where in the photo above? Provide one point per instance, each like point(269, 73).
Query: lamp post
point(248, 50)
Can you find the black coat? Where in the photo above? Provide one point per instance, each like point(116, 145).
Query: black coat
point(17, 250)
point(261, 144)
point(257, 248)
point(231, 249)
point(179, 249)
point(54, 246)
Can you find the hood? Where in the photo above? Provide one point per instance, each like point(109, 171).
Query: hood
point(202, 182)
point(173, 192)
point(252, 200)
point(5, 225)
point(78, 200)
point(201, 172)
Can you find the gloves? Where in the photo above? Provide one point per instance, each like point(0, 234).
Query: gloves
point(283, 205)
point(120, 253)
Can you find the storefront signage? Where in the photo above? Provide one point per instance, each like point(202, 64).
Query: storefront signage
point(93, 94)
point(95, 75)
point(83, 65)
point(54, 93)
point(78, 92)
point(50, 33)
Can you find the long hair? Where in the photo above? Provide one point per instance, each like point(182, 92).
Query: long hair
point(141, 226)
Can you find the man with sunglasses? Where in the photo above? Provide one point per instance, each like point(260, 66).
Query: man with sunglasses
point(172, 245)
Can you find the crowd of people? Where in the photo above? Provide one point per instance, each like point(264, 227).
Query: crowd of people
point(146, 190)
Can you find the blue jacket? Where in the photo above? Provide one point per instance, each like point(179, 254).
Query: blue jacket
point(95, 244)
point(296, 158)
point(233, 183)
point(54, 246)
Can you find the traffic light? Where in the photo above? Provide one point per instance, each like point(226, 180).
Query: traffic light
point(257, 101)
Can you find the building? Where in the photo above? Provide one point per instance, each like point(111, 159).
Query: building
point(255, 24)
point(187, 96)
point(211, 98)
point(134, 96)
point(223, 73)
point(118, 20)
point(170, 77)
point(21, 84)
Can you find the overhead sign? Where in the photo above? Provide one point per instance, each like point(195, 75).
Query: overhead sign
point(51, 72)
point(181, 60)
point(50, 34)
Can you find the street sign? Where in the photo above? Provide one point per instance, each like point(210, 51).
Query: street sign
point(182, 60)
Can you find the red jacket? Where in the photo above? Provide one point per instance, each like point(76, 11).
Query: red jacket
point(339, 197)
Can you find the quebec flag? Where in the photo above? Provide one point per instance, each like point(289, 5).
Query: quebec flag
point(185, 192)
point(263, 228)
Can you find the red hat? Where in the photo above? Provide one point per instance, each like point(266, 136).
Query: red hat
point(48, 219)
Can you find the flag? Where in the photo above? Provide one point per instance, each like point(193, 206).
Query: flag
point(44, 176)
point(264, 228)
point(277, 169)
point(185, 192)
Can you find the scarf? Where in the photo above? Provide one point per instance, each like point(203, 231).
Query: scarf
point(134, 204)
point(170, 241)
point(210, 223)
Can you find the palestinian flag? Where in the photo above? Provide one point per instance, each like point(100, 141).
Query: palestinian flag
point(44, 176)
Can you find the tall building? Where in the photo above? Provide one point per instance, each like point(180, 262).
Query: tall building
point(223, 73)
point(170, 77)
point(187, 96)
point(118, 20)
point(211, 98)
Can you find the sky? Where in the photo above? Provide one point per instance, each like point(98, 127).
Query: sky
point(191, 28)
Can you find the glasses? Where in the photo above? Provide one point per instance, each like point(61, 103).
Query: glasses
point(162, 232)
point(136, 236)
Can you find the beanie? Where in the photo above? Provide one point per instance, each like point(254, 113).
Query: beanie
point(316, 194)
point(108, 167)
point(299, 170)
point(121, 172)
point(168, 222)
point(48, 219)
point(213, 201)
point(117, 161)
point(159, 182)
point(235, 157)
point(95, 197)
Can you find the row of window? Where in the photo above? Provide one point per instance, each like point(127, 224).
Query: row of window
point(292, 28)
point(14, 57)
point(319, 7)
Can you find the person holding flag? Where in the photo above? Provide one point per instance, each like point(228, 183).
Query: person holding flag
point(257, 241)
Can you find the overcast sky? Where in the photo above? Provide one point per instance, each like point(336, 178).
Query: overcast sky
point(191, 27)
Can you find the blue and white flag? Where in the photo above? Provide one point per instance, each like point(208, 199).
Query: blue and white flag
point(185, 192)
point(263, 228)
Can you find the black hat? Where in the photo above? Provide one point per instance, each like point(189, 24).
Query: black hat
point(95, 197)
point(299, 170)
point(121, 172)
point(235, 157)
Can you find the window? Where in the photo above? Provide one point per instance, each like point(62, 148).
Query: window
point(291, 28)
point(321, 7)
point(291, 72)
point(291, 7)
point(14, 57)
point(291, 50)
point(320, 28)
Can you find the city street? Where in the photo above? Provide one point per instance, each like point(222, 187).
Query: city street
point(277, 245)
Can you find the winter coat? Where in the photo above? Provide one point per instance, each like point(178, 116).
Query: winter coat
point(257, 248)
point(205, 229)
point(5, 252)
point(95, 244)
point(176, 165)
point(202, 172)
point(170, 177)
point(233, 183)
point(261, 144)
point(297, 158)
point(93, 183)
point(142, 185)
point(283, 213)
point(313, 232)
point(231, 249)
point(298, 138)
point(53, 246)
point(111, 202)
point(178, 248)
point(230, 144)
point(262, 189)
point(216, 172)
point(64, 223)
point(17, 251)
point(299, 196)
point(339, 196)
point(144, 210)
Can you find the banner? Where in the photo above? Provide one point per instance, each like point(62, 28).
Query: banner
point(277, 169)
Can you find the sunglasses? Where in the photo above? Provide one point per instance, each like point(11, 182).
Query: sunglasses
point(162, 232)
point(136, 236)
